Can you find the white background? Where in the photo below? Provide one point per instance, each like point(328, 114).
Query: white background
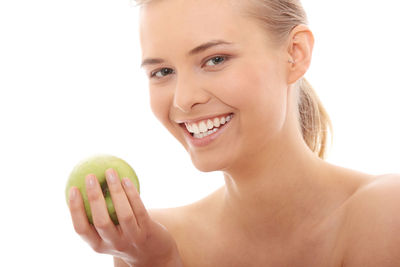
point(70, 87)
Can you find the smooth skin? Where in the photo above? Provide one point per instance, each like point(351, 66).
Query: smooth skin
point(281, 205)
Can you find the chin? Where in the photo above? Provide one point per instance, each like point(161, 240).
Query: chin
point(207, 164)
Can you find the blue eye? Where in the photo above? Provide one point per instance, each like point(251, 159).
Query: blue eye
point(160, 73)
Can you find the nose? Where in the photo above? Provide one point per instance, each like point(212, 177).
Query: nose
point(189, 93)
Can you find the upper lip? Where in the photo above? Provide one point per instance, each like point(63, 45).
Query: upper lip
point(194, 120)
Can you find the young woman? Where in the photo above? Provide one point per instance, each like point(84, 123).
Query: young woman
point(226, 79)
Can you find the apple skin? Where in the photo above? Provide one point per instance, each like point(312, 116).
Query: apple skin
point(97, 165)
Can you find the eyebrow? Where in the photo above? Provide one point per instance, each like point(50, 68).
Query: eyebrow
point(194, 51)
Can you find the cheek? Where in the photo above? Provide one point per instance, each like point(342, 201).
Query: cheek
point(255, 90)
point(259, 97)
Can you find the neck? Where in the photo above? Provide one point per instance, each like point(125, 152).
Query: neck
point(277, 190)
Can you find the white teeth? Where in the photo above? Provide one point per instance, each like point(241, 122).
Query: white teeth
point(189, 128)
point(201, 135)
point(195, 128)
point(216, 122)
point(210, 124)
point(203, 127)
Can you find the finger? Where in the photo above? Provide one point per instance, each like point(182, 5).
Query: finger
point(123, 208)
point(101, 219)
point(141, 215)
point(80, 220)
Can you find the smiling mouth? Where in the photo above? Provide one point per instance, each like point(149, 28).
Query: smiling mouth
point(206, 127)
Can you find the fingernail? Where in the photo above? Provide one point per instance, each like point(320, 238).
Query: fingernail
point(72, 193)
point(90, 181)
point(111, 176)
point(127, 182)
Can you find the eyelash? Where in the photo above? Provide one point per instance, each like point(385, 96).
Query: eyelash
point(153, 74)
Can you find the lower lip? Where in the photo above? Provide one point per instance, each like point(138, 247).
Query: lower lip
point(201, 142)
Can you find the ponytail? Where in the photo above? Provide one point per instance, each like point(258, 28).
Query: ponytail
point(314, 120)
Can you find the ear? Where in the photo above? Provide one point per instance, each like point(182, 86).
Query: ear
point(300, 47)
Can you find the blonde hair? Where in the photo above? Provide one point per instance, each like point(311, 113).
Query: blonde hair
point(278, 18)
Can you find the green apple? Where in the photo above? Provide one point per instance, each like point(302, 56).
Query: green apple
point(97, 165)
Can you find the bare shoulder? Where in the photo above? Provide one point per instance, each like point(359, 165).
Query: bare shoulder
point(372, 227)
point(169, 217)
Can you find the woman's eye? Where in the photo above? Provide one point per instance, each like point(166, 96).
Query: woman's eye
point(216, 60)
point(160, 73)
point(165, 71)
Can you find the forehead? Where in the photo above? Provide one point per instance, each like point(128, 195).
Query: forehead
point(168, 24)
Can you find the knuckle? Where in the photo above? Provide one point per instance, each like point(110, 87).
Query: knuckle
point(74, 206)
point(126, 218)
point(94, 196)
point(116, 188)
point(140, 210)
point(141, 215)
point(136, 198)
point(102, 224)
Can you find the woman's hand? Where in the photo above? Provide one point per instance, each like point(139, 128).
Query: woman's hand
point(138, 240)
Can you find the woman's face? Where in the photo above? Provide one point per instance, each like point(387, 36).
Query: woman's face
point(243, 77)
